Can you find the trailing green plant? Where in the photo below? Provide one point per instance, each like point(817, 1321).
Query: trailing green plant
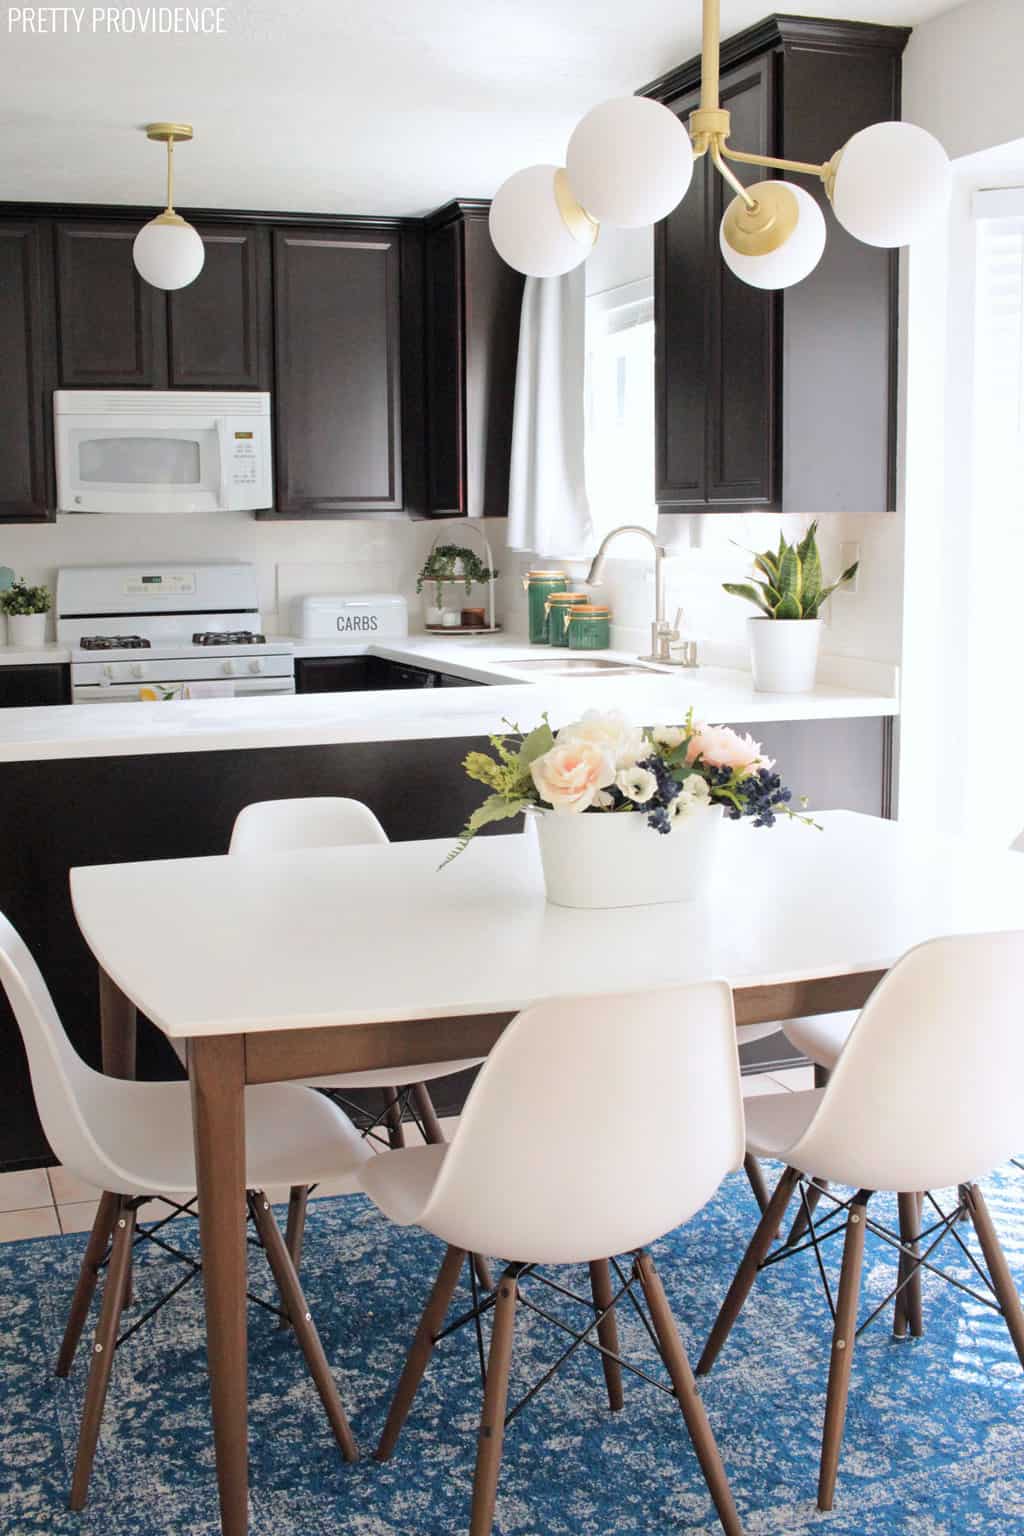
point(20, 598)
point(789, 582)
point(439, 567)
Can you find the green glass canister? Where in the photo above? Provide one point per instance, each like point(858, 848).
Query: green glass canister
point(559, 605)
point(539, 586)
point(589, 627)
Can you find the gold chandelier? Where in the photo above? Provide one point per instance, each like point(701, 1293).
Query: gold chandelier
point(630, 162)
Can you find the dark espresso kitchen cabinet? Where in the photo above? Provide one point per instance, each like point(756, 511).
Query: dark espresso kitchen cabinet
point(219, 327)
point(45, 683)
point(118, 331)
point(338, 403)
point(472, 309)
point(26, 370)
point(779, 401)
point(112, 325)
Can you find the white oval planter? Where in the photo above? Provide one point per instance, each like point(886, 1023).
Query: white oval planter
point(26, 629)
point(614, 859)
point(784, 654)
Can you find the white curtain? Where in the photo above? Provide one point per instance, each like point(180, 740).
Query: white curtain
point(548, 510)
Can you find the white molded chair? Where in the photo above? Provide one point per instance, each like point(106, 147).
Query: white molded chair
point(134, 1141)
point(328, 821)
point(915, 1102)
point(546, 1165)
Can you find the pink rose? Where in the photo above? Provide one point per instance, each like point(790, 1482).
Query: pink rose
point(720, 747)
point(572, 775)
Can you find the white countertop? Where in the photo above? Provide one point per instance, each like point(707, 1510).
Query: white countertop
point(33, 655)
point(320, 719)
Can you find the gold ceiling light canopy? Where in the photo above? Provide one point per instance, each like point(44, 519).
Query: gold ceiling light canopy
point(630, 160)
point(168, 252)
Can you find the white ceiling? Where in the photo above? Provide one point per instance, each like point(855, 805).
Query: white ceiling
point(342, 106)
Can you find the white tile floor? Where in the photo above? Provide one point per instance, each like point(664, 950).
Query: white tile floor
point(44, 1202)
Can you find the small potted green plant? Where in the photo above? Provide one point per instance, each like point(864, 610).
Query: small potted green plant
point(26, 609)
point(448, 564)
point(789, 590)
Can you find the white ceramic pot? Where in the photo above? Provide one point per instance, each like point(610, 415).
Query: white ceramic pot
point(26, 630)
point(614, 859)
point(433, 614)
point(784, 654)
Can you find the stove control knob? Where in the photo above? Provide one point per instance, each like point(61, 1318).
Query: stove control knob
point(137, 669)
point(256, 665)
point(107, 676)
point(228, 668)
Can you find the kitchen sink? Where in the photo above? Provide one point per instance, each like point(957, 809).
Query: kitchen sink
point(582, 666)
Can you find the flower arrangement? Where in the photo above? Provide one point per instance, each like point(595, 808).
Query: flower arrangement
point(792, 585)
point(20, 599)
point(601, 763)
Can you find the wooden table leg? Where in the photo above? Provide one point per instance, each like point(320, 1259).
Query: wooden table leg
point(118, 1026)
point(217, 1074)
point(119, 1023)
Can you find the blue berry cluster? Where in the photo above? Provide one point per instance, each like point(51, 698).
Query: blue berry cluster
point(762, 794)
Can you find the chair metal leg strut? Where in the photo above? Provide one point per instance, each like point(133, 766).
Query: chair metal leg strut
point(103, 1348)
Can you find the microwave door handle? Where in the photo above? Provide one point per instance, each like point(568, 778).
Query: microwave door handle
point(221, 449)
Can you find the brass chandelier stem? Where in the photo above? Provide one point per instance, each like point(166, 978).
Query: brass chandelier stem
point(710, 51)
point(717, 150)
point(799, 167)
point(170, 176)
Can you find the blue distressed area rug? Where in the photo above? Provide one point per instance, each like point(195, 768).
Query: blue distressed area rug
point(934, 1441)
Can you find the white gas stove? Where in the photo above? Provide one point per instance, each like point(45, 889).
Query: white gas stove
point(143, 632)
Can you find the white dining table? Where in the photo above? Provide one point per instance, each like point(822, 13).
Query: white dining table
point(291, 965)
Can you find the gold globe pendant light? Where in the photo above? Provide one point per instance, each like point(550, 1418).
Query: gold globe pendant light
point(168, 253)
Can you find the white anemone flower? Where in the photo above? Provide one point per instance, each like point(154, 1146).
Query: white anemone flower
point(637, 784)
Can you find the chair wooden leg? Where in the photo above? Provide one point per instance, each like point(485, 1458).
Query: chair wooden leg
point(908, 1309)
point(421, 1351)
point(287, 1281)
point(745, 1276)
point(692, 1408)
point(435, 1137)
point(843, 1340)
point(800, 1221)
point(393, 1119)
point(295, 1230)
point(492, 1421)
point(103, 1352)
point(752, 1169)
point(607, 1330)
point(88, 1275)
point(999, 1270)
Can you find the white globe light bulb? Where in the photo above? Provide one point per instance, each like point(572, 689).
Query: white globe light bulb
point(529, 227)
point(630, 161)
point(168, 252)
point(893, 180)
point(791, 261)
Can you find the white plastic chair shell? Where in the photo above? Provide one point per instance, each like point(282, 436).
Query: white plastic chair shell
point(926, 1092)
point(547, 1165)
point(136, 1138)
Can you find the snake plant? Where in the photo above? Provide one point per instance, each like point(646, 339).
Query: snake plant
point(789, 584)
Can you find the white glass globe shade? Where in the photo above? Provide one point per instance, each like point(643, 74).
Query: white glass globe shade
point(893, 181)
point(528, 229)
point(791, 262)
point(630, 161)
point(168, 255)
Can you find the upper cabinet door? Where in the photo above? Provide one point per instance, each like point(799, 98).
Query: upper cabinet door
point(715, 336)
point(113, 326)
point(338, 391)
point(26, 371)
point(219, 326)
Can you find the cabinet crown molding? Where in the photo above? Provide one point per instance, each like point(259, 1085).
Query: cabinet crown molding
point(776, 32)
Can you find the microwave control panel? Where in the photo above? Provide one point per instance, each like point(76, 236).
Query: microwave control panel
point(243, 457)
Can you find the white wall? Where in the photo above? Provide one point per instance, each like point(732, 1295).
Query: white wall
point(962, 75)
point(294, 558)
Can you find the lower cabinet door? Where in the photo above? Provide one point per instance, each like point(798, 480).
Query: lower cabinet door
point(331, 674)
point(28, 685)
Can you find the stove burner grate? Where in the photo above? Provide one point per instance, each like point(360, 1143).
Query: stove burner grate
point(228, 637)
point(113, 643)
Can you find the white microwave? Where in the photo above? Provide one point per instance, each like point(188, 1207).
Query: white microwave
point(162, 451)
